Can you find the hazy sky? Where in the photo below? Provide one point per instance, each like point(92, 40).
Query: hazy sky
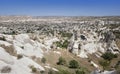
point(60, 7)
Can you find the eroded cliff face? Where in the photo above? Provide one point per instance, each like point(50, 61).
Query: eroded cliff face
point(93, 42)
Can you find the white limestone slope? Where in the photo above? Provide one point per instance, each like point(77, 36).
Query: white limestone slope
point(5, 57)
point(22, 66)
point(105, 72)
point(22, 45)
point(49, 41)
point(90, 48)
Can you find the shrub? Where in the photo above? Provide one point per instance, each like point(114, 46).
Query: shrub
point(61, 61)
point(50, 72)
point(80, 72)
point(62, 45)
point(43, 60)
point(104, 63)
point(59, 44)
point(34, 69)
point(13, 32)
point(22, 47)
point(41, 72)
point(64, 34)
point(73, 64)
point(6, 69)
point(89, 60)
point(108, 56)
point(65, 44)
point(3, 38)
point(115, 56)
point(19, 56)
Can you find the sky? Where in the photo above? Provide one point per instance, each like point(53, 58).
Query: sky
point(60, 7)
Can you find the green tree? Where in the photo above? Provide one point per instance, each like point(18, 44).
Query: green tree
point(108, 56)
point(61, 61)
point(43, 60)
point(34, 70)
point(65, 44)
point(3, 38)
point(59, 44)
point(73, 64)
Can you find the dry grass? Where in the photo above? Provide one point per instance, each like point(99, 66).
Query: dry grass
point(115, 60)
point(52, 59)
point(10, 50)
point(118, 43)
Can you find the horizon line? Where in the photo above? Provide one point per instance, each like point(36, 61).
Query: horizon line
point(62, 15)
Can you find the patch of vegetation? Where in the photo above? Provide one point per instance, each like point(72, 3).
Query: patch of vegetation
point(73, 64)
point(65, 44)
point(6, 69)
point(80, 72)
point(89, 60)
point(104, 64)
point(52, 32)
point(113, 26)
point(50, 72)
point(63, 72)
point(42, 72)
point(108, 56)
point(43, 60)
point(62, 44)
point(117, 67)
point(3, 38)
point(59, 44)
point(61, 61)
point(117, 34)
point(115, 56)
point(19, 56)
point(22, 47)
point(10, 33)
point(13, 32)
point(34, 70)
point(91, 65)
point(65, 34)
point(118, 70)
